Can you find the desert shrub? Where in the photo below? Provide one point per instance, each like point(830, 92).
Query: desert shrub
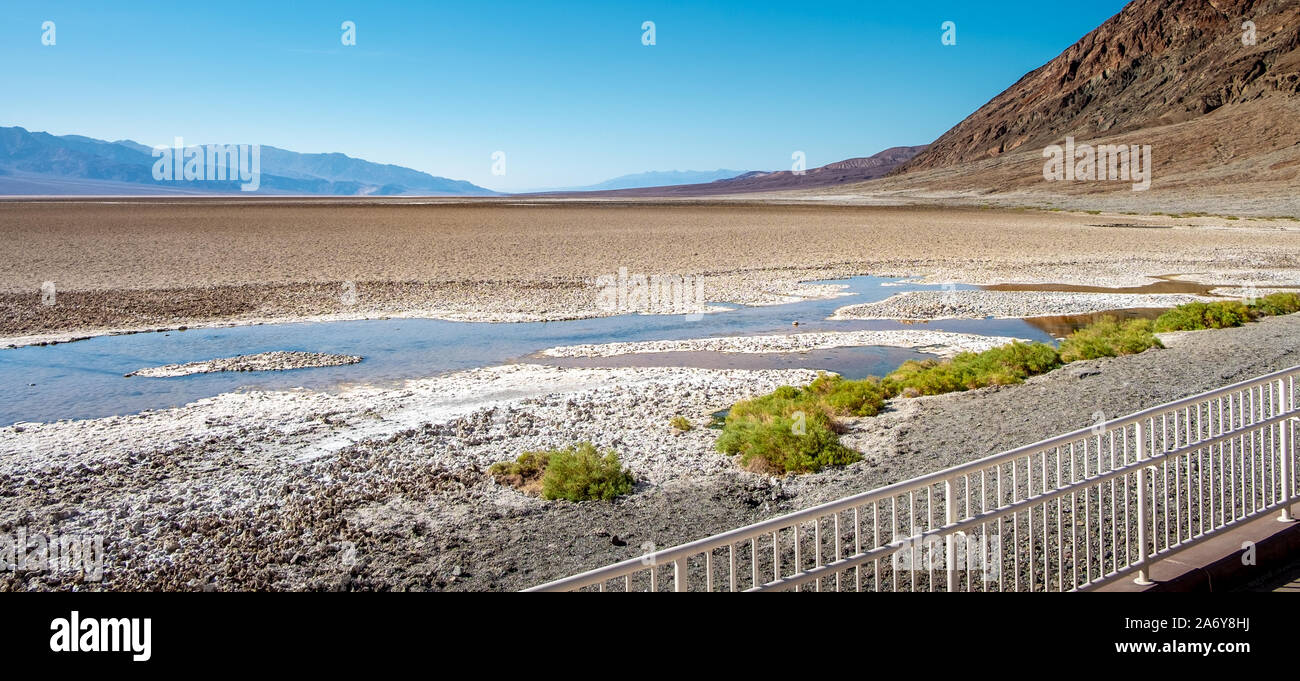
point(794, 430)
point(1276, 304)
point(1004, 365)
point(578, 473)
point(777, 444)
point(524, 473)
point(681, 423)
point(1109, 337)
point(842, 397)
point(1196, 316)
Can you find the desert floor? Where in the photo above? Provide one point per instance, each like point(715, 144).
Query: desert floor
point(147, 263)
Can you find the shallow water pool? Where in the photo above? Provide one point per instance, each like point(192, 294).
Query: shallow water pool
point(85, 379)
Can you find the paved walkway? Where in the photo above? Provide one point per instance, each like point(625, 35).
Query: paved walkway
point(1287, 582)
point(1216, 564)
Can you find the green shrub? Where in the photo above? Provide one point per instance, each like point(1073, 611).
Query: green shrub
point(777, 444)
point(1276, 304)
point(794, 430)
point(582, 474)
point(577, 473)
point(1109, 337)
point(829, 394)
point(1005, 365)
point(842, 397)
point(1196, 316)
point(681, 423)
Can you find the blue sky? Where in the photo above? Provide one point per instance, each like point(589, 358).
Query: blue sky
point(566, 89)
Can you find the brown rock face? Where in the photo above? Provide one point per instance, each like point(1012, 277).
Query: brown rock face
point(1156, 63)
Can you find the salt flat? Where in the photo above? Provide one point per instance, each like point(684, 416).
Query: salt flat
point(148, 263)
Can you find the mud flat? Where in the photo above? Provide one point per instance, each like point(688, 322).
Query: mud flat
point(926, 305)
point(942, 343)
point(280, 360)
point(377, 488)
point(136, 264)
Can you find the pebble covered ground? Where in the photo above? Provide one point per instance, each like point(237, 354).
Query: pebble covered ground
point(385, 488)
point(278, 360)
point(1004, 304)
point(940, 343)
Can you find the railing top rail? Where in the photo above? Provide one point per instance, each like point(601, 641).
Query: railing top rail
point(771, 525)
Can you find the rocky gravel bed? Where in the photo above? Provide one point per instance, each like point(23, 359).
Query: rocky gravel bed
point(942, 343)
point(279, 360)
point(1004, 304)
point(385, 489)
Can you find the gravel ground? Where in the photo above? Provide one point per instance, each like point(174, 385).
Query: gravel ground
point(145, 263)
point(928, 305)
point(385, 489)
point(942, 343)
point(280, 360)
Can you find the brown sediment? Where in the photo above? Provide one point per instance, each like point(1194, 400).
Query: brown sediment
point(1165, 284)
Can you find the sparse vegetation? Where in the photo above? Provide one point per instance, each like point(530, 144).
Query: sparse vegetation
point(796, 430)
point(776, 445)
point(524, 473)
point(1005, 365)
point(1109, 337)
point(578, 473)
point(681, 424)
point(1196, 316)
point(1276, 304)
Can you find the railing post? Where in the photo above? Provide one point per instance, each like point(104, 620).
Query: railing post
point(1284, 407)
point(950, 542)
point(679, 574)
point(1144, 569)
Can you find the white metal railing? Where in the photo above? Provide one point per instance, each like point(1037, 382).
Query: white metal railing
point(1067, 513)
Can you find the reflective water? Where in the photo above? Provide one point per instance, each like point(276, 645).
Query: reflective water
point(85, 379)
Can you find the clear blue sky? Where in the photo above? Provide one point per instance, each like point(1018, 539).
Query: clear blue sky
point(566, 89)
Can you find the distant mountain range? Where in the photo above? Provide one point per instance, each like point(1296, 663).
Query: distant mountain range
point(41, 163)
point(848, 171)
point(653, 178)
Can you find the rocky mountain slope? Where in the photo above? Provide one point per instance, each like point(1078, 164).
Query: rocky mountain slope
point(1156, 63)
point(1221, 113)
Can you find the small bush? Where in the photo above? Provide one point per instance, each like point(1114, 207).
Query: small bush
point(779, 444)
point(1197, 316)
point(577, 473)
point(681, 423)
point(1109, 338)
point(794, 430)
point(524, 473)
point(1005, 365)
point(841, 397)
point(1276, 304)
point(582, 474)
